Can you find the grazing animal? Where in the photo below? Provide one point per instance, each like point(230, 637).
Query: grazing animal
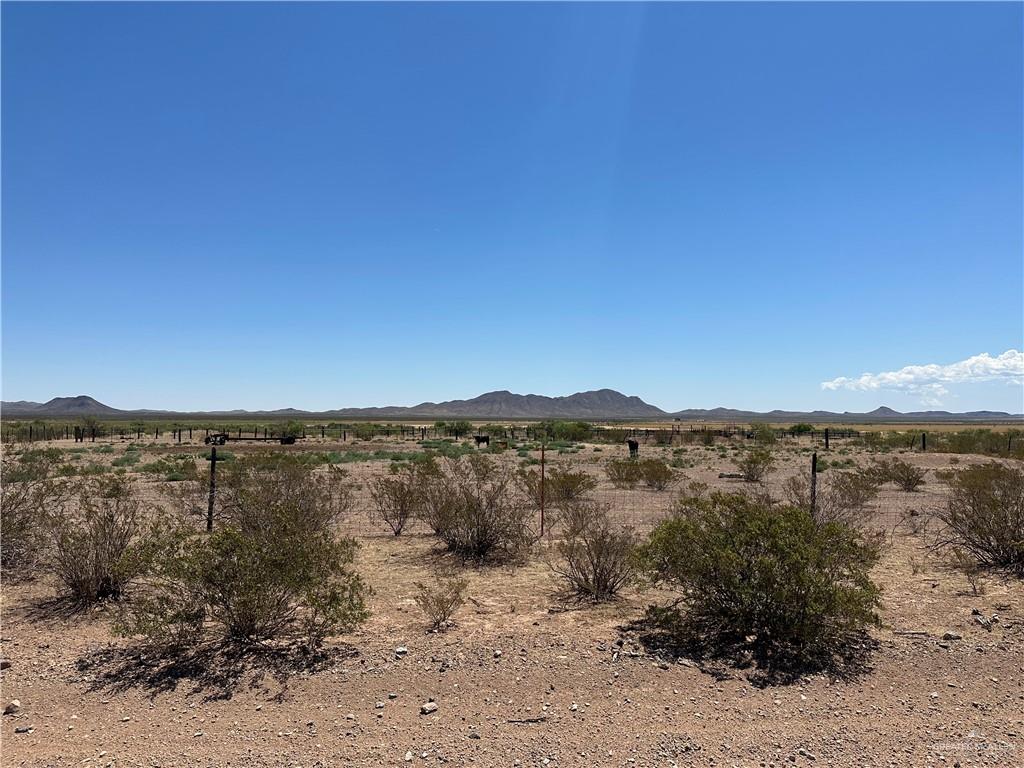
point(482, 440)
point(634, 448)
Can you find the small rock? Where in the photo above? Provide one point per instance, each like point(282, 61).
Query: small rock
point(379, 705)
point(428, 708)
point(951, 636)
point(5, 664)
point(13, 708)
point(408, 756)
point(392, 695)
point(24, 729)
point(497, 654)
point(400, 651)
point(474, 735)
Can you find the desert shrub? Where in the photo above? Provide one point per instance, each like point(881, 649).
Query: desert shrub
point(102, 541)
point(656, 474)
point(801, 429)
point(396, 496)
point(272, 569)
point(905, 475)
point(763, 433)
point(33, 487)
point(180, 467)
point(755, 464)
point(561, 485)
point(841, 497)
point(763, 580)
point(130, 459)
point(623, 473)
point(485, 512)
point(596, 555)
point(440, 601)
point(984, 515)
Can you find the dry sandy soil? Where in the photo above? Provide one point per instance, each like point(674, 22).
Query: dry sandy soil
point(525, 679)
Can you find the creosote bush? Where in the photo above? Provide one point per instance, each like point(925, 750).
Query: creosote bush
point(596, 555)
point(755, 464)
point(33, 486)
point(561, 486)
point(272, 568)
point(102, 540)
point(623, 473)
point(440, 601)
point(656, 474)
point(906, 476)
point(397, 496)
point(842, 497)
point(477, 508)
point(763, 581)
point(984, 515)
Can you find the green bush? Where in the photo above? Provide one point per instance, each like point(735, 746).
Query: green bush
point(755, 464)
point(763, 580)
point(905, 475)
point(623, 473)
point(984, 515)
point(561, 485)
point(272, 568)
point(656, 474)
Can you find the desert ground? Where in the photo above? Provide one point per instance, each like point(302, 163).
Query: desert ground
point(527, 676)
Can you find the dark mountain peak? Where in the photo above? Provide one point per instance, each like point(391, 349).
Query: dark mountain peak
point(883, 411)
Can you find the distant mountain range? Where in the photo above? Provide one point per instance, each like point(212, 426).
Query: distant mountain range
point(601, 404)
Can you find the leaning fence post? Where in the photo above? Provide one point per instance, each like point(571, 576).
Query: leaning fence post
point(213, 488)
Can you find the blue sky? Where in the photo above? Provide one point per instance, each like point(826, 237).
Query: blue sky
point(326, 205)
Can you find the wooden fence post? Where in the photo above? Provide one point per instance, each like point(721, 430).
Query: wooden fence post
point(814, 483)
point(213, 488)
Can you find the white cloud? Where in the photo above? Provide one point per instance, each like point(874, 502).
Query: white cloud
point(929, 381)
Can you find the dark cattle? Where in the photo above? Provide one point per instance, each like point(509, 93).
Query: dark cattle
point(482, 440)
point(634, 448)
